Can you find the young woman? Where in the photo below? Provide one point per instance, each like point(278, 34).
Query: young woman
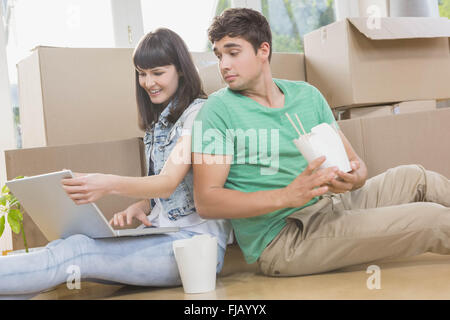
point(169, 95)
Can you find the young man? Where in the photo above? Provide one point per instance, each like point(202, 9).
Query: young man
point(291, 217)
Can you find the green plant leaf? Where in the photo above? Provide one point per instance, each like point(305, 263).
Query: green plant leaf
point(14, 221)
point(13, 199)
point(2, 225)
point(8, 198)
point(2, 201)
point(5, 189)
point(19, 177)
point(13, 202)
point(16, 214)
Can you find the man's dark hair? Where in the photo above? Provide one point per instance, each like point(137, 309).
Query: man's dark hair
point(241, 22)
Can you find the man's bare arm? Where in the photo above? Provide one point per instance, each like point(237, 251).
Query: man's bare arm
point(354, 179)
point(361, 171)
point(213, 201)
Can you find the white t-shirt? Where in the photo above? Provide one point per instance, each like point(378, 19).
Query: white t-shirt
point(221, 229)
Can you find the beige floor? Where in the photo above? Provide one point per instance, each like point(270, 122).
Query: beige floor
point(422, 277)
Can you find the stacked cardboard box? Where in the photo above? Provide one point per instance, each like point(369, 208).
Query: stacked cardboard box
point(411, 138)
point(121, 157)
point(378, 74)
point(443, 103)
point(357, 63)
point(290, 66)
point(83, 95)
point(77, 95)
point(386, 110)
point(73, 97)
point(382, 143)
point(78, 111)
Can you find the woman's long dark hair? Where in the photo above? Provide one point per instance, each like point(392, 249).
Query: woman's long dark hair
point(164, 47)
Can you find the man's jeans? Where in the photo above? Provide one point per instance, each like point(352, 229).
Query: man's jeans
point(141, 261)
point(402, 212)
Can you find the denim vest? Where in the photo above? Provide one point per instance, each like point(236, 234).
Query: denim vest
point(159, 142)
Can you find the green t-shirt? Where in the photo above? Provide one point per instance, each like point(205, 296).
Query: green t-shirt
point(264, 154)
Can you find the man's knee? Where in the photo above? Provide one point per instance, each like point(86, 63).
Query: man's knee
point(411, 174)
point(409, 169)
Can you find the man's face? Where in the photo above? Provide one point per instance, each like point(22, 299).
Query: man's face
point(238, 62)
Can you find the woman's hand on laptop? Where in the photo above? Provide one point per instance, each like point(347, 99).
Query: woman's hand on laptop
point(134, 211)
point(85, 188)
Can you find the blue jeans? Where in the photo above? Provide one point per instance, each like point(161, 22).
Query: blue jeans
point(141, 261)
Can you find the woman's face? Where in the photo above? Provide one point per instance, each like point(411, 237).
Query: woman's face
point(160, 83)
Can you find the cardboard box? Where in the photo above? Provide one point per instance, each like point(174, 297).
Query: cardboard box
point(414, 106)
point(123, 157)
point(397, 108)
point(373, 111)
point(290, 66)
point(410, 138)
point(84, 95)
point(355, 64)
point(443, 104)
point(381, 142)
point(353, 132)
point(77, 95)
point(208, 67)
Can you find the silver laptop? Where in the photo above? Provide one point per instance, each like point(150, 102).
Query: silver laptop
point(55, 213)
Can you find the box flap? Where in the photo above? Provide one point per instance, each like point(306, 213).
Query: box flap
point(402, 27)
point(39, 46)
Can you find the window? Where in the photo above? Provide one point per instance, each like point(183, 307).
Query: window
point(290, 20)
point(62, 23)
point(190, 21)
point(444, 8)
point(221, 6)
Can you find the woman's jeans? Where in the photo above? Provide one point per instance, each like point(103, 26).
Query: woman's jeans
point(141, 261)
